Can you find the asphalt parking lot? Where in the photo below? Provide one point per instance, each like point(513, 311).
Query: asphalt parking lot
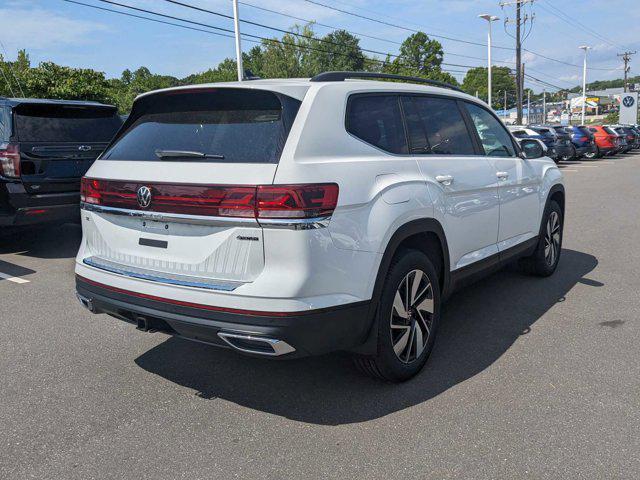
point(530, 378)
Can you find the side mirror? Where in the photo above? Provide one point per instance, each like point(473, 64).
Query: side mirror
point(531, 148)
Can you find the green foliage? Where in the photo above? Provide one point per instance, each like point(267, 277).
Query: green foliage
point(420, 57)
point(502, 80)
point(612, 118)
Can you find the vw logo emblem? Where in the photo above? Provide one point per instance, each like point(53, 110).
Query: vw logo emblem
point(84, 148)
point(144, 196)
point(628, 101)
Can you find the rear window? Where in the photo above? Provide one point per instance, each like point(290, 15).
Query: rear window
point(212, 125)
point(58, 123)
point(376, 119)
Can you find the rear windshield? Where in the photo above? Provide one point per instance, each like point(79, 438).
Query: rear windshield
point(58, 123)
point(213, 125)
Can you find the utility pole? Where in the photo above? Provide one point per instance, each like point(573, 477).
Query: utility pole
point(505, 106)
point(584, 81)
point(236, 24)
point(489, 19)
point(626, 58)
point(520, 22)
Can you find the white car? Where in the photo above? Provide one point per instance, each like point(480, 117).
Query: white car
point(286, 218)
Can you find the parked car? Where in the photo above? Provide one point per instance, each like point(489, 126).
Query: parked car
point(605, 140)
point(620, 140)
point(521, 132)
point(568, 151)
point(284, 218)
point(633, 139)
point(46, 146)
point(583, 141)
point(628, 138)
point(559, 144)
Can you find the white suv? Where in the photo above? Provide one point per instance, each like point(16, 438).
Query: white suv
point(298, 217)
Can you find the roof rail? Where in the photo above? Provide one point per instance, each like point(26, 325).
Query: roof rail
point(342, 76)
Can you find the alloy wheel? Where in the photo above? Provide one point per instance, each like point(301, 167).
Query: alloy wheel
point(552, 239)
point(412, 316)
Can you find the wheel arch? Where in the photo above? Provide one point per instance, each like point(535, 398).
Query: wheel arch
point(426, 235)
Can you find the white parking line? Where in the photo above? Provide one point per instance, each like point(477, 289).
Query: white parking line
point(568, 170)
point(13, 279)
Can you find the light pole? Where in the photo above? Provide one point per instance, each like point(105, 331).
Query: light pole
point(584, 81)
point(489, 19)
point(236, 24)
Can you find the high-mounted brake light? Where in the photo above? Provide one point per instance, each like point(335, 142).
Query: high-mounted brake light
point(10, 160)
point(261, 201)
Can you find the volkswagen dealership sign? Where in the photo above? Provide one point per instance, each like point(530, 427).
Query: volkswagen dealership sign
point(629, 108)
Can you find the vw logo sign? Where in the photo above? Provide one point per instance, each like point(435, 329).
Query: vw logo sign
point(628, 101)
point(144, 196)
point(84, 148)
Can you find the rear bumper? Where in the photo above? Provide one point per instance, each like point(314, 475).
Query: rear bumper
point(581, 150)
point(562, 151)
point(308, 333)
point(19, 208)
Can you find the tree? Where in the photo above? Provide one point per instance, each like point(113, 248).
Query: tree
point(421, 57)
point(502, 81)
point(338, 50)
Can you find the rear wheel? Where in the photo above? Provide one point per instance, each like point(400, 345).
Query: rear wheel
point(406, 320)
point(570, 156)
point(544, 260)
point(595, 154)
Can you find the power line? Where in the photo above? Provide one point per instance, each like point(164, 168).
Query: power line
point(575, 23)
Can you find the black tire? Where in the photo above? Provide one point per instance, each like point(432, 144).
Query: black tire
point(572, 156)
point(593, 155)
point(386, 364)
point(543, 261)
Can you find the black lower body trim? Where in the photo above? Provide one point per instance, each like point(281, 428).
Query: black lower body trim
point(310, 333)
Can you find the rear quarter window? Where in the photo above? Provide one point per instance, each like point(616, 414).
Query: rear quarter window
point(376, 120)
point(5, 124)
point(224, 124)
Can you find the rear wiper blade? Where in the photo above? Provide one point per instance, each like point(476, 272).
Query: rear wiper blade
point(171, 154)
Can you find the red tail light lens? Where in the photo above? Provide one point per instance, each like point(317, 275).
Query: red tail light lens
point(10, 160)
point(264, 201)
point(296, 201)
point(584, 139)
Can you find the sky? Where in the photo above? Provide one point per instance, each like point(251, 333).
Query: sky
point(78, 36)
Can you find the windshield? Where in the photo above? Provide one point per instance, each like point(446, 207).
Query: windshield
point(63, 123)
point(213, 125)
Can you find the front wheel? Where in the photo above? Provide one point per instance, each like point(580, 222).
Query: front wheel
point(544, 260)
point(407, 319)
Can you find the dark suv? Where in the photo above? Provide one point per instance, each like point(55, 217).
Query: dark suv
point(46, 146)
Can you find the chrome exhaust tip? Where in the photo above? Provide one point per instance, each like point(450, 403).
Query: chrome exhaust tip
point(85, 302)
point(257, 345)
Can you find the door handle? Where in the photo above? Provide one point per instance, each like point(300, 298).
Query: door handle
point(502, 175)
point(444, 179)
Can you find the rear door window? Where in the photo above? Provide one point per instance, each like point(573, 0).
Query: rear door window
point(376, 120)
point(65, 123)
point(436, 125)
point(212, 125)
point(496, 140)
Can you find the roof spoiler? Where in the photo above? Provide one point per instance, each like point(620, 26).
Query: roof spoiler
point(342, 76)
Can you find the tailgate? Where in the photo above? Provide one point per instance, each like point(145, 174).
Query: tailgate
point(173, 198)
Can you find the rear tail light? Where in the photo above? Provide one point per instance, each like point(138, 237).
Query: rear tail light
point(584, 139)
point(10, 160)
point(263, 201)
point(296, 201)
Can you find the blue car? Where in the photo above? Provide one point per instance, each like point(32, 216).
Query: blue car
point(582, 139)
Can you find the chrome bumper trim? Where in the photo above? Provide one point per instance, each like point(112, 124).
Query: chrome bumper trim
point(172, 217)
point(287, 223)
point(161, 277)
point(279, 347)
